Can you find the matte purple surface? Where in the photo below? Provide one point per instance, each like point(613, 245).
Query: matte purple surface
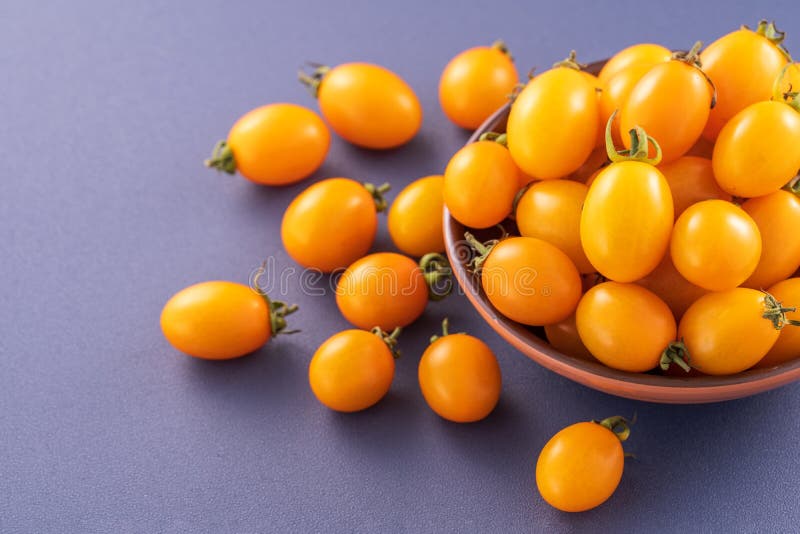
point(105, 115)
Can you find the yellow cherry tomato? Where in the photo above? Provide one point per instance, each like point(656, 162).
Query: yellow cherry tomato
point(691, 180)
point(476, 83)
point(366, 104)
point(415, 218)
point(643, 54)
point(788, 345)
point(351, 371)
point(776, 215)
point(551, 210)
point(563, 336)
point(671, 287)
point(331, 224)
point(615, 92)
point(715, 245)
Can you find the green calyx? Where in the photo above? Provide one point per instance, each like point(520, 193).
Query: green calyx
point(222, 158)
point(445, 330)
point(789, 97)
point(640, 146)
point(769, 31)
point(692, 58)
point(481, 250)
point(676, 353)
point(377, 192)
point(501, 46)
point(313, 80)
point(620, 426)
point(389, 339)
point(438, 275)
point(499, 138)
point(571, 62)
point(278, 310)
point(775, 312)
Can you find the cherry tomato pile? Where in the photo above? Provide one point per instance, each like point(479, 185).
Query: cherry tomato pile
point(657, 211)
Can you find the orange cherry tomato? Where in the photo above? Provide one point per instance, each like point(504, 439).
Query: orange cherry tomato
point(691, 180)
point(671, 287)
point(743, 65)
point(625, 326)
point(563, 336)
point(476, 83)
point(531, 281)
point(644, 54)
point(788, 345)
point(277, 144)
point(580, 467)
point(551, 210)
point(366, 104)
point(415, 218)
point(351, 371)
point(460, 378)
point(715, 245)
point(777, 216)
point(725, 332)
point(553, 123)
point(626, 220)
point(758, 150)
point(615, 92)
point(480, 183)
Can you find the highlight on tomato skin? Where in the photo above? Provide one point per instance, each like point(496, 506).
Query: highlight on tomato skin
point(415, 217)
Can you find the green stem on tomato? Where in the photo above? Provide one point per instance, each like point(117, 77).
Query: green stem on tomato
point(222, 158)
point(640, 145)
point(692, 58)
point(436, 271)
point(277, 309)
point(677, 353)
point(389, 339)
point(620, 426)
point(377, 193)
point(501, 46)
point(775, 312)
point(314, 80)
point(571, 62)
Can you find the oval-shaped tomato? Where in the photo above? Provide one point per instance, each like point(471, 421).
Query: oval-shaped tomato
point(725, 332)
point(277, 144)
point(415, 218)
point(625, 326)
point(671, 102)
point(531, 281)
point(480, 183)
point(551, 210)
point(777, 216)
point(743, 65)
point(351, 371)
point(671, 287)
point(643, 54)
point(715, 245)
point(758, 150)
point(330, 225)
point(459, 378)
point(580, 467)
point(691, 180)
point(563, 336)
point(615, 92)
point(788, 345)
point(366, 104)
point(476, 83)
point(626, 221)
point(553, 123)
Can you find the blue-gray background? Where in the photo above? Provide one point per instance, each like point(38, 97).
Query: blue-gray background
point(106, 112)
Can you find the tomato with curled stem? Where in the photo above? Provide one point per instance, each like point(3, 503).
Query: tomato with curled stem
point(415, 217)
point(638, 55)
point(777, 216)
point(615, 92)
point(788, 345)
point(691, 180)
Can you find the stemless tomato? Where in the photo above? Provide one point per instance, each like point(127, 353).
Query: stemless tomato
point(691, 180)
point(726, 332)
point(551, 210)
point(476, 83)
point(480, 183)
point(459, 377)
point(332, 223)
point(626, 220)
point(352, 370)
point(366, 104)
point(553, 123)
point(758, 150)
point(415, 218)
point(625, 326)
point(221, 320)
point(615, 92)
point(563, 336)
point(671, 287)
point(788, 345)
point(277, 144)
point(531, 281)
point(743, 65)
point(581, 466)
point(643, 54)
point(777, 216)
point(715, 245)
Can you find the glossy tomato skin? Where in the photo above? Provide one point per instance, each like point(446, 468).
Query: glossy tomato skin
point(382, 289)
point(216, 320)
point(691, 180)
point(668, 91)
point(758, 150)
point(671, 287)
point(279, 144)
point(415, 218)
point(626, 221)
point(580, 467)
point(625, 326)
point(725, 333)
point(475, 84)
point(614, 94)
point(551, 210)
point(715, 245)
point(744, 66)
point(459, 378)
point(788, 345)
point(369, 106)
point(553, 124)
point(531, 281)
point(638, 55)
point(330, 225)
point(351, 371)
point(480, 183)
point(563, 336)
point(777, 216)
